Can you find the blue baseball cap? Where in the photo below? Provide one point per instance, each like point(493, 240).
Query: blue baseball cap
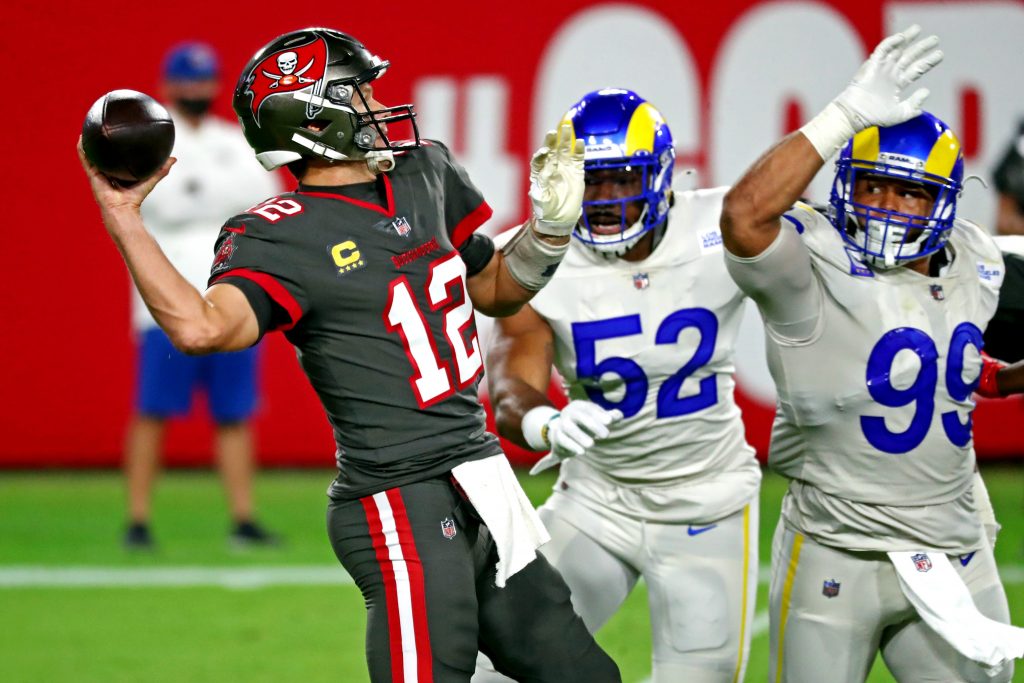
point(192, 61)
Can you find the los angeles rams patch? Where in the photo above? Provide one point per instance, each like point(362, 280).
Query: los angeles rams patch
point(990, 272)
point(710, 241)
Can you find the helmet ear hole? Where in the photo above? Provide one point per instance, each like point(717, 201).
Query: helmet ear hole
point(317, 125)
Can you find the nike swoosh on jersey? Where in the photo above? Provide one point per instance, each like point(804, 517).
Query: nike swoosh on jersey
point(694, 531)
point(965, 559)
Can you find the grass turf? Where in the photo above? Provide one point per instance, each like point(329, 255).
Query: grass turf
point(276, 633)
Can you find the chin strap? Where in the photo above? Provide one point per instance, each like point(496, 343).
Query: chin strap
point(380, 162)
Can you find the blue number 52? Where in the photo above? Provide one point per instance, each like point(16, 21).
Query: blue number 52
point(585, 336)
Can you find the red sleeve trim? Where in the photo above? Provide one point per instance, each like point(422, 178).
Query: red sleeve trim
point(468, 225)
point(236, 229)
point(274, 289)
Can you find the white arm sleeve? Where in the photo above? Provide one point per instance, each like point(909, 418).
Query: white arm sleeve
point(783, 284)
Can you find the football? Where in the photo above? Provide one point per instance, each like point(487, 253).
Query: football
point(127, 135)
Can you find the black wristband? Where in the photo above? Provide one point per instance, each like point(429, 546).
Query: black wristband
point(476, 252)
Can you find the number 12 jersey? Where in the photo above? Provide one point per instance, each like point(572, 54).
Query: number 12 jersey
point(366, 282)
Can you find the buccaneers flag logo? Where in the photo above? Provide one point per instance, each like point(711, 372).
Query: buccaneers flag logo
point(293, 68)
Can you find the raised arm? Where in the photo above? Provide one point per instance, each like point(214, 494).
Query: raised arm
point(222, 320)
point(755, 204)
point(526, 262)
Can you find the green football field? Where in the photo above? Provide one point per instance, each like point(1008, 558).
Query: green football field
point(76, 607)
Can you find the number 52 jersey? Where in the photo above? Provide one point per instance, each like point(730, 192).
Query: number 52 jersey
point(367, 284)
point(655, 339)
point(875, 371)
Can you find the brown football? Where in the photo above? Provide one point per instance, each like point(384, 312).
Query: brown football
point(127, 135)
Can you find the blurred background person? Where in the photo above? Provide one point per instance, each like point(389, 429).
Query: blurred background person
point(1009, 179)
point(215, 176)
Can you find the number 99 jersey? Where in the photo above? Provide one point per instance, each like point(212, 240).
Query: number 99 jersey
point(655, 339)
point(875, 371)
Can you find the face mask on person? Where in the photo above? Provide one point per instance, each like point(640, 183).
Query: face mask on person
point(194, 106)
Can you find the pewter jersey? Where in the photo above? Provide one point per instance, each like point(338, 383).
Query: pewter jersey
point(875, 372)
point(368, 285)
point(655, 339)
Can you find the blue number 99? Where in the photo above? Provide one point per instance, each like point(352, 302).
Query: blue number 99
point(922, 391)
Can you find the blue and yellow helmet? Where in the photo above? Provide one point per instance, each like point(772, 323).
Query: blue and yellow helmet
point(923, 151)
point(621, 130)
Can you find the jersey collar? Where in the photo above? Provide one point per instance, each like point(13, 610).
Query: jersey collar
point(338, 193)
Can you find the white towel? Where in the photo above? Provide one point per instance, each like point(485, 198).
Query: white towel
point(515, 526)
point(942, 599)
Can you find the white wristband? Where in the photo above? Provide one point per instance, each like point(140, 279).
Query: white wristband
point(535, 427)
point(829, 130)
point(530, 260)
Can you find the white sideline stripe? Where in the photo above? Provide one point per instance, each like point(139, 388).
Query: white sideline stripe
point(146, 577)
point(32, 576)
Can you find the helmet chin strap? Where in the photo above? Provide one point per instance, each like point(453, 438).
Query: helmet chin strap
point(380, 162)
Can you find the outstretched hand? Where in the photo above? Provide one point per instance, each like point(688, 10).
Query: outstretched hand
point(875, 97)
point(111, 195)
point(574, 430)
point(556, 182)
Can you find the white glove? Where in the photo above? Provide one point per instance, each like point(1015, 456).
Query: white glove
point(567, 433)
point(556, 182)
point(875, 96)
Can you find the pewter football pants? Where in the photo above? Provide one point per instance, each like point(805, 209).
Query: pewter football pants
point(425, 565)
point(831, 611)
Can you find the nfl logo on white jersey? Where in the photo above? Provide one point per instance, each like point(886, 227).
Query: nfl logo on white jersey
point(922, 562)
point(641, 281)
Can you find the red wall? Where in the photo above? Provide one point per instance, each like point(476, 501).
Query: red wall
point(66, 381)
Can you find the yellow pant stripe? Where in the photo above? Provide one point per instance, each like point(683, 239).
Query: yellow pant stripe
point(787, 591)
point(743, 604)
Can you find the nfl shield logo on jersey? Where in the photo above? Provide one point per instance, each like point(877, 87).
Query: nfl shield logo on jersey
point(641, 281)
point(401, 226)
point(448, 528)
point(830, 588)
point(937, 292)
point(922, 562)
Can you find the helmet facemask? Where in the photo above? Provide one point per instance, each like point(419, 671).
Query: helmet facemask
point(369, 126)
point(889, 238)
point(653, 202)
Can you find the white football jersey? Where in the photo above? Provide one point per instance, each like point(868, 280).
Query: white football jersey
point(873, 424)
point(655, 339)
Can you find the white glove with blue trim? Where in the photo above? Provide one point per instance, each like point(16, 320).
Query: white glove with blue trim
point(569, 432)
